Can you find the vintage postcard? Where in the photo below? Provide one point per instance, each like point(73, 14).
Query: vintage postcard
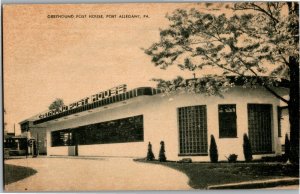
point(151, 96)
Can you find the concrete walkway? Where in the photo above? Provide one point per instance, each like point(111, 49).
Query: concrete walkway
point(95, 174)
point(288, 183)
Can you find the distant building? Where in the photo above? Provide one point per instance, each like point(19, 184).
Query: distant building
point(118, 122)
point(8, 134)
point(14, 145)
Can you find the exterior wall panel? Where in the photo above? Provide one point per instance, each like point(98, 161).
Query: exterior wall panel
point(161, 124)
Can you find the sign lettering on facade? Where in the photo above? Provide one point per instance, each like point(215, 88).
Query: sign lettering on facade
point(88, 100)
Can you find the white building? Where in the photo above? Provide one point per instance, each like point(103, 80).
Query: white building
point(121, 123)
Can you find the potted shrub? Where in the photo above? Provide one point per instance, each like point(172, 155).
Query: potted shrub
point(232, 158)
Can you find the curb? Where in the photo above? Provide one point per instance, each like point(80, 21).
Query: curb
point(257, 184)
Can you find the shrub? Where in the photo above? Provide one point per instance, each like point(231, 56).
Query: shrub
point(150, 155)
point(185, 160)
point(162, 156)
point(287, 148)
point(232, 158)
point(213, 150)
point(247, 149)
point(274, 158)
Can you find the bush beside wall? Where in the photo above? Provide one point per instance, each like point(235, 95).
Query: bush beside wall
point(247, 149)
point(213, 150)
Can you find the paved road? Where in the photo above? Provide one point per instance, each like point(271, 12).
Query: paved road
point(70, 174)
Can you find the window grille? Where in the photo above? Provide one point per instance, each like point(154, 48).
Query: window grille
point(192, 130)
point(260, 126)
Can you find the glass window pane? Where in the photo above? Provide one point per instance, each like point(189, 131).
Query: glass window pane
point(123, 130)
point(192, 130)
point(227, 121)
point(259, 127)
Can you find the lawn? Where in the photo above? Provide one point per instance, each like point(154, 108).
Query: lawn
point(14, 173)
point(202, 175)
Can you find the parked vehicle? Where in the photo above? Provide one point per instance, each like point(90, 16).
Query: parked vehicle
point(15, 146)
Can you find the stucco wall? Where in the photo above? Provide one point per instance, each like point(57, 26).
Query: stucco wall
point(285, 125)
point(161, 123)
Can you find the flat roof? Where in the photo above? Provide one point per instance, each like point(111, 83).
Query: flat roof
point(54, 114)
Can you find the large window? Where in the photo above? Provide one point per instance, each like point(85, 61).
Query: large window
point(227, 121)
point(192, 130)
point(62, 138)
point(260, 127)
point(129, 129)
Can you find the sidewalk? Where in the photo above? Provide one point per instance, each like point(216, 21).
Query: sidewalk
point(292, 183)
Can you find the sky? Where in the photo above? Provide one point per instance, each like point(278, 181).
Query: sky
point(72, 58)
point(74, 51)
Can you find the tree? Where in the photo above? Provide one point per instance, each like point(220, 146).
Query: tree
point(213, 150)
point(56, 104)
point(150, 155)
point(257, 43)
point(247, 149)
point(162, 156)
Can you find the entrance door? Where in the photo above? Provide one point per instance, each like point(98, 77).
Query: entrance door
point(260, 126)
point(34, 149)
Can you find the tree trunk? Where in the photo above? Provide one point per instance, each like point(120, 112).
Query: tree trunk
point(294, 110)
point(294, 89)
